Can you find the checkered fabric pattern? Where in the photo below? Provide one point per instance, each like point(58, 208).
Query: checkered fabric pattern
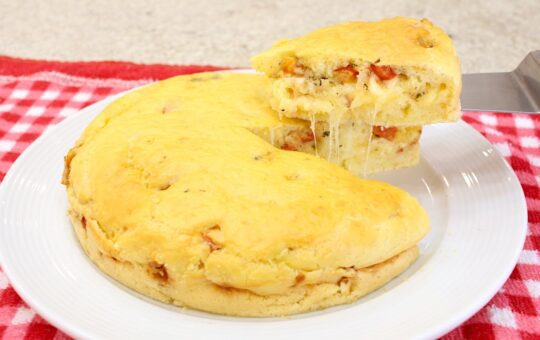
point(35, 95)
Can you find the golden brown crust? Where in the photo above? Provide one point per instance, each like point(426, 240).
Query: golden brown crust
point(396, 41)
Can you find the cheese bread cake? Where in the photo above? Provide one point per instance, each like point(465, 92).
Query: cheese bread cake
point(175, 191)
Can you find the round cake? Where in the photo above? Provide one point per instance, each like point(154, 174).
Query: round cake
point(175, 191)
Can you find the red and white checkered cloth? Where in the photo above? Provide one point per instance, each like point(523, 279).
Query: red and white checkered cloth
point(36, 94)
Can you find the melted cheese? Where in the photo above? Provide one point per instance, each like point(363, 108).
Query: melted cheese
point(400, 101)
point(368, 149)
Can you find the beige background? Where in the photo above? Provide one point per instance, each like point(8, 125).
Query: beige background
point(489, 35)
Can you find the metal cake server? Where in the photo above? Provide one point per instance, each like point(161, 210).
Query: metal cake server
point(516, 91)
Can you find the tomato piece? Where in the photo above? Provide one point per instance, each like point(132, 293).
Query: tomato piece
point(209, 240)
point(308, 137)
point(383, 72)
point(213, 245)
point(288, 147)
point(346, 74)
point(289, 66)
point(158, 271)
point(388, 133)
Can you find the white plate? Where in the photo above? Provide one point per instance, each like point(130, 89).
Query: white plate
point(474, 199)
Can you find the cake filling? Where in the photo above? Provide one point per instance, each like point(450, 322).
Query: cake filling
point(355, 90)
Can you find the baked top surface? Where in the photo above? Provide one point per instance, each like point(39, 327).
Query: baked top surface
point(173, 174)
point(396, 41)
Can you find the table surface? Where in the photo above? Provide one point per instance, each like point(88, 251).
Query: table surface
point(489, 35)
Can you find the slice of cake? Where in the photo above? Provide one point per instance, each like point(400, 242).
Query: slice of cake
point(393, 72)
